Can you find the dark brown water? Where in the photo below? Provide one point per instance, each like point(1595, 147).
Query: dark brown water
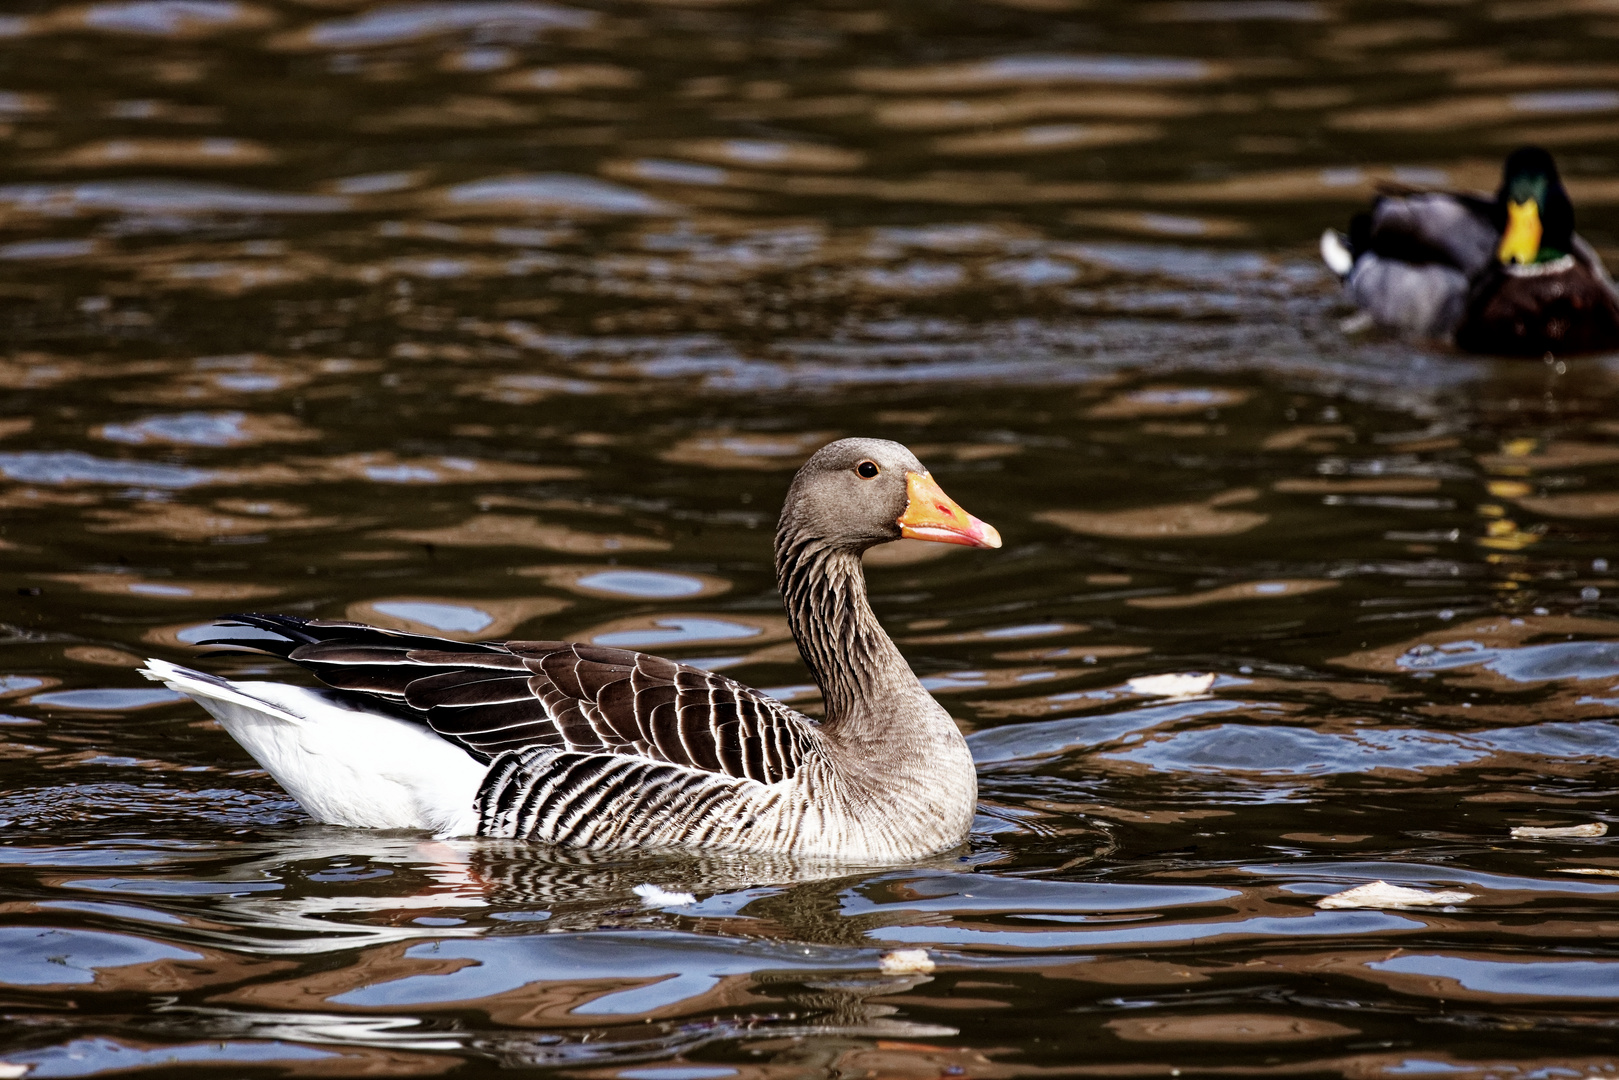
point(512, 319)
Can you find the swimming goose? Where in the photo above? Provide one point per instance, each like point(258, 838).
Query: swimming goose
point(1506, 277)
point(579, 745)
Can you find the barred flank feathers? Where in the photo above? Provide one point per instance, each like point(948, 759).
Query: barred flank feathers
point(603, 800)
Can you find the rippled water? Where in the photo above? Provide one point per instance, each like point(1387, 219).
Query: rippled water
point(513, 318)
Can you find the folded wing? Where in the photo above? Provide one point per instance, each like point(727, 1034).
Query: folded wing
point(1430, 227)
point(492, 698)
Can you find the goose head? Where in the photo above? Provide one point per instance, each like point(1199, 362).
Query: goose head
point(856, 493)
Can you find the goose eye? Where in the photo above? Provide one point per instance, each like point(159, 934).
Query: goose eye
point(867, 469)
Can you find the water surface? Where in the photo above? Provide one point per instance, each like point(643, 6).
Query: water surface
point(514, 318)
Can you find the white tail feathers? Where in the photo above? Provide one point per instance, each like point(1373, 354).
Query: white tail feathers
point(1336, 254)
point(344, 764)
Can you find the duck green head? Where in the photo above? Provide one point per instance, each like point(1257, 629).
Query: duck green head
point(1534, 213)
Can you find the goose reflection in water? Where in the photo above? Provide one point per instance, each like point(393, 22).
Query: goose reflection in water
point(537, 936)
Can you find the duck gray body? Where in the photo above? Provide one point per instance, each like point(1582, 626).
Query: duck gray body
point(1415, 273)
point(607, 749)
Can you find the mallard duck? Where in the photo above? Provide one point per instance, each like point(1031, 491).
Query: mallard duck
point(600, 748)
point(1507, 276)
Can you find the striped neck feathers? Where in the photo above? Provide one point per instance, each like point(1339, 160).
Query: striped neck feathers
point(850, 656)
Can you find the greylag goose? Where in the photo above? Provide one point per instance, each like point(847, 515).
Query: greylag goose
point(1506, 277)
point(599, 748)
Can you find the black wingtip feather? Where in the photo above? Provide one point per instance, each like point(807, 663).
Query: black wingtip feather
point(237, 651)
point(289, 627)
point(295, 631)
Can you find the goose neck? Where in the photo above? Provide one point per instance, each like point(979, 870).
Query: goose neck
point(853, 660)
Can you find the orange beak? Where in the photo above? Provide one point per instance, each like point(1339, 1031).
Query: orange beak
point(930, 514)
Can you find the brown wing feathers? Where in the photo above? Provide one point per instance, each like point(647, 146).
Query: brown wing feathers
point(493, 697)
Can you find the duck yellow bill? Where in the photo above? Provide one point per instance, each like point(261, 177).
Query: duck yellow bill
point(1520, 243)
point(930, 514)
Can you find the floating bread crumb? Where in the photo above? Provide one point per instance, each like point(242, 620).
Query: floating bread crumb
point(1535, 832)
point(1182, 684)
point(905, 962)
point(1380, 894)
